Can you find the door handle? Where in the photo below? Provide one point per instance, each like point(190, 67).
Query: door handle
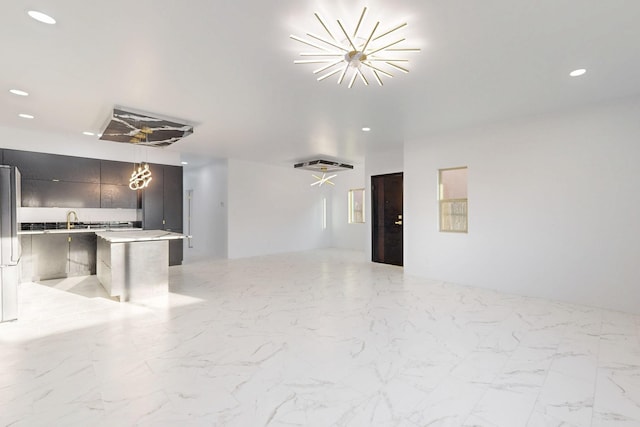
point(398, 222)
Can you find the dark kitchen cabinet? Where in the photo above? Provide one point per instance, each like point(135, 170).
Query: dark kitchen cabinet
point(116, 173)
point(52, 180)
point(114, 185)
point(175, 251)
point(172, 190)
point(49, 167)
point(153, 200)
point(162, 205)
point(59, 194)
point(118, 196)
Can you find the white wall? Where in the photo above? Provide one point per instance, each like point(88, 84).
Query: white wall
point(379, 163)
point(553, 207)
point(84, 146)
point(208, 183)
point(272, 209)
point(343, 234)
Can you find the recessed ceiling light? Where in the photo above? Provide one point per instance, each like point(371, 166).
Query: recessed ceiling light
point(19, 92)
point(26, 116)
point(88, 133)
point(366, 129)
point(184, 163)
point(578, 72)
point(41, 17)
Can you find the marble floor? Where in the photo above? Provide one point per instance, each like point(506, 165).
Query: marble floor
point(319, 338)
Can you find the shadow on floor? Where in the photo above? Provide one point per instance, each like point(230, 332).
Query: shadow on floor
point(86, 286)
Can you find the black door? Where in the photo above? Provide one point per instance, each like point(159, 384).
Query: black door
point(386, 202)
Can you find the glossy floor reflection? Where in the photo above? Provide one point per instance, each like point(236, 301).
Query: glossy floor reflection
point(319, 338)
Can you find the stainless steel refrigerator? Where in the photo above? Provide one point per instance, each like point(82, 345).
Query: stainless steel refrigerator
point(9, 242)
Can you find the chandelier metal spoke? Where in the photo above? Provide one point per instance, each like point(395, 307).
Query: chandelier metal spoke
point(364, 11)
point(347, 36)
point(326, 67)
point(364, 48)
point(327, 42)
point(329, 74)
point(377, 69)
point(387, 46)
point(301, 40)
point(404, 70)
point(390, 31)
point(344, 72)
point(375, 73)
point(325, 27)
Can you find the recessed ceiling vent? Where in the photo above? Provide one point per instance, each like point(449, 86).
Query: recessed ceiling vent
point(323, 166)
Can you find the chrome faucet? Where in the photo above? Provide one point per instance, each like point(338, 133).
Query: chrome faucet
point(75, 215)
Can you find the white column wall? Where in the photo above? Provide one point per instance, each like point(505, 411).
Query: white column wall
point(553, 207)
point(272, 209)
point(343, 234)
point(208, 211)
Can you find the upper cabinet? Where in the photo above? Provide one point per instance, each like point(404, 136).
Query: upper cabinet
point(116, 173)
point(52, 180)
point(51, 194)
point(118, 196)
point(114, 185)
point(53, 167)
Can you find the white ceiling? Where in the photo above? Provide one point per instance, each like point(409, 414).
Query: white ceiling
point(227, 67)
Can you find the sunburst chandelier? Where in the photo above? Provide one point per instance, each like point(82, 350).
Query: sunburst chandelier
point(375, 52)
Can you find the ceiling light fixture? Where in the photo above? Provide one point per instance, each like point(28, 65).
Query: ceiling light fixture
point(578, 72)
point(143, 129)
point(184, 163)
point(324, 166)
point(26, 116)
point(366, 129)
point(341, 52)
point(141, 177)
point(323, 180)
point(19, 92)
point(41, 17)
point(88, 133)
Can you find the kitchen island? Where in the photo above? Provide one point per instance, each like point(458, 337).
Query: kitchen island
point(134, 265)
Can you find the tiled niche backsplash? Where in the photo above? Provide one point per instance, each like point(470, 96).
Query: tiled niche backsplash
point(84, 214)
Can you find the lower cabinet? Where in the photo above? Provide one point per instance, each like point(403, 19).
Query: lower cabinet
point(59, 255)
point(175, 251)
point(56, 256)
point(81, 260)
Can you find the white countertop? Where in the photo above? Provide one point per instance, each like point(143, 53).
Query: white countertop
point(76, 230)
point(116, 236)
